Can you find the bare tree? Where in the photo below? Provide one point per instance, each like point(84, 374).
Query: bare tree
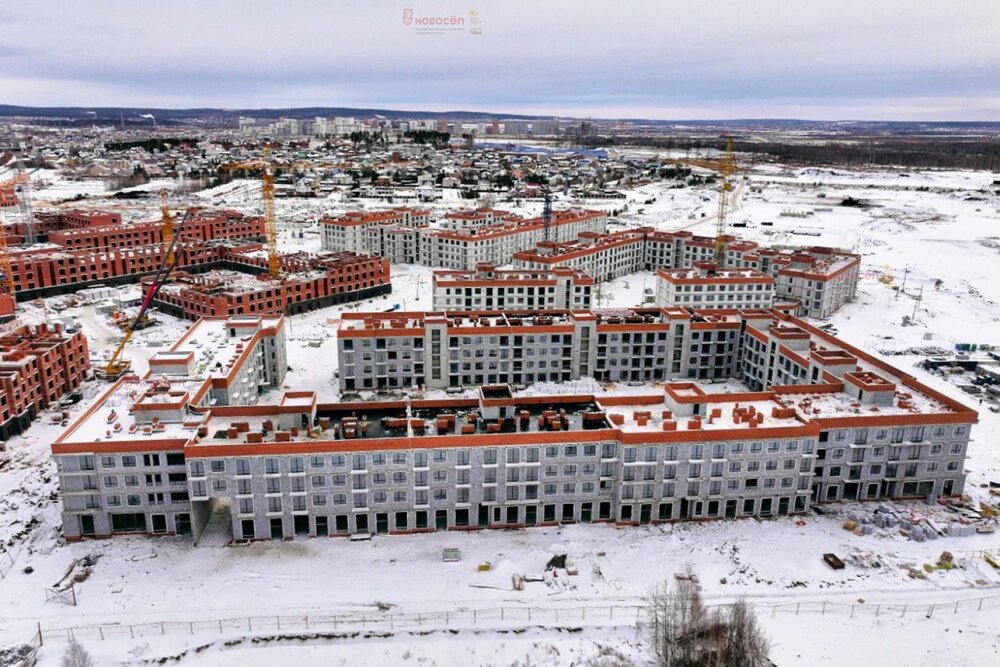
point(745, 642)
point(686, 634)
point(677, 616)
point(76, 656)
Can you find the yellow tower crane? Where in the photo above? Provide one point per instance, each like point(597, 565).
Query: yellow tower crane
point(267, 193)
point(168, 225)
point(727, 169)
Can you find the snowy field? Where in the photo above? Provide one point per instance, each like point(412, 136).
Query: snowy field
point(943, 238)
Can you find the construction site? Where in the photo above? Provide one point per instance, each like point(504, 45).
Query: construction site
point(522, 379)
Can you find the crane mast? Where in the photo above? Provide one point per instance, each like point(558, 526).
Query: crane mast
point(727, 168)
point(547, 214)
point(270, 225)
point(267, 194)
point(168, 225)
point(6, 271)
point(24, 201)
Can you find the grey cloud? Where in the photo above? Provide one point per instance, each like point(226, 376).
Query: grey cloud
point(612, 58)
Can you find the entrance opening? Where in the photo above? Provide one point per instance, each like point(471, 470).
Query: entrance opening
point(604, 510)
point(645, 513)
point(484, 516)
point(731, 509)
point(713, 508)
point(159, 523)
point(765, 507)
point(548, 513)
point(340, 524)
point(782, 506)
point(277, 528)
point(567, 512)
point(247, 530)
point(512, 513)
point(322, 528)
point(300, 523)
point(530, 515)
point(586, 510)
point(361, 523)
point(851, 491)
point(213, 524)
point(87, 524)
point(421, 518)
point(182, 523)
point(441, 520)
point(382, 523)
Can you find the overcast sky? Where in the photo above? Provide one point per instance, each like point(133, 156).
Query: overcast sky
point(670, 59)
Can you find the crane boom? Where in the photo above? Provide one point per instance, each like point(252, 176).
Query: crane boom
point(115, 366)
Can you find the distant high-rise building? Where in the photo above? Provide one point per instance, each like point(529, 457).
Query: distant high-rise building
point(515, 127)
point(343, 126)
point(544, 128)
point(321, 127)
point(247, 124)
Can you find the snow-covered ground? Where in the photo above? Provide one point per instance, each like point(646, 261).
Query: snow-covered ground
point(946, 233)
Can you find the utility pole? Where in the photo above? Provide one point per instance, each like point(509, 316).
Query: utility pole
point(902, 287)
point(916, 303)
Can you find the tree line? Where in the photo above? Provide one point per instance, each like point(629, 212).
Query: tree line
point(857, 151)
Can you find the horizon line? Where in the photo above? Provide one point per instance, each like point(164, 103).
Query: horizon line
point(498, 115)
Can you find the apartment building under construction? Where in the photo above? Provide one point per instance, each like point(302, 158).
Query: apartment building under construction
point(803, 418)
point(820, 279)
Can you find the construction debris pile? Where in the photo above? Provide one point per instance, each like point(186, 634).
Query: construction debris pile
point(919, 524)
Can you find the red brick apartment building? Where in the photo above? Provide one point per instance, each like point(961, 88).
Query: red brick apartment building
point(310, 282)
point(51, 271)
point(202, 226)
point(39, 365)
point(94, 247)
point(46, 223)
point(8, 198)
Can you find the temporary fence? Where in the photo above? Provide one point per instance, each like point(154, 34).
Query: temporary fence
point(6, 563)
point(27, 653)
point(494, 617)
